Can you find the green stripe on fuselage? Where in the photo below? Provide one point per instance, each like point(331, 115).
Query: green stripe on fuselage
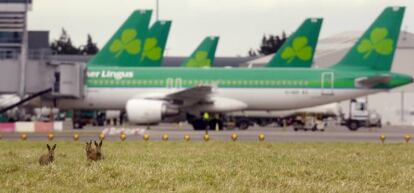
point(123, 77)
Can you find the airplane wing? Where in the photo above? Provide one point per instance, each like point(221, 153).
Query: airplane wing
point(194, 94)
point(199, 97)
point(372, 81)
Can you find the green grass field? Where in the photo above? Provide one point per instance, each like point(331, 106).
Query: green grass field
point(209, 167)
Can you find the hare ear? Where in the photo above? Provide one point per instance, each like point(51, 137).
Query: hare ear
point(100, 144)
point(48, 147)
point(96, 144)
point(54, 147)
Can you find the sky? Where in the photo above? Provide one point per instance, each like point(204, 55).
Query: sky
point(240, 24)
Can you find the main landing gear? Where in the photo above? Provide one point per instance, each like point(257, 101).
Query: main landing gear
point(201, 124)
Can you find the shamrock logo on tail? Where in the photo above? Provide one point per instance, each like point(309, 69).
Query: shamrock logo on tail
point(299, 49)
point(377, 42)
point(151, 50)
point(128, 43)
point(200, 60)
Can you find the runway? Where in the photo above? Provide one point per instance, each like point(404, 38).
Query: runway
point(393, 134)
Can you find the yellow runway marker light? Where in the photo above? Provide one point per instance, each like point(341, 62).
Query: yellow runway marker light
point(102, 136)
point(234, 137)
point(165, 137)
point(123, 136)
point(206, 137)
point(50, 136)
point(186, 138)
point(146, 137)
point(382, 138)
point(23, 136)
point(75, 137)
point(261, 137)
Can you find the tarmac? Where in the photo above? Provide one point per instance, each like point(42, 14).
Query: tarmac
point(175, 132)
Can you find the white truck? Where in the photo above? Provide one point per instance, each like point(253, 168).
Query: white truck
point(360, 116)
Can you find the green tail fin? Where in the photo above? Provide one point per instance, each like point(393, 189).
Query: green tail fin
point(299, 48)
point(125, 46)
point(204, 55)
point(154, 45)
point(375, 49)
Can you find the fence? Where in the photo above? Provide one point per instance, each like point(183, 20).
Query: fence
point(31, 127)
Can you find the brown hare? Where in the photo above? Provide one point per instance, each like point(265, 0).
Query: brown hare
point(88, 148)
point(94, 154)
point(48, 158)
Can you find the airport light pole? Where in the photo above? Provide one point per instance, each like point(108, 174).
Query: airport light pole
point(23, 53)
point(157, 9)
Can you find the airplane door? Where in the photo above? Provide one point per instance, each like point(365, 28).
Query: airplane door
point(178, 83)
point(327, 83)
point(170, 83)
point(174, 83)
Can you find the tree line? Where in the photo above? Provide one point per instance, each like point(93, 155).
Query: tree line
point(270, 44)
point(63, 45)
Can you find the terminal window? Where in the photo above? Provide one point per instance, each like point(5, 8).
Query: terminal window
point(10, 37)
point(15, 1)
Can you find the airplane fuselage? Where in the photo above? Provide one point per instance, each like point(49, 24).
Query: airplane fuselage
point(258, 88)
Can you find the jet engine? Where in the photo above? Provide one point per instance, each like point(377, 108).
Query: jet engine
point(144, 111)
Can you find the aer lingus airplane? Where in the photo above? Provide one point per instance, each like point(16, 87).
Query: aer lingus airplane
point(204, 55)
point(152, 95)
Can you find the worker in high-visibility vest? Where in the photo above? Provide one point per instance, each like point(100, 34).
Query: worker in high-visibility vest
point(206, 119)
point(206, 116)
